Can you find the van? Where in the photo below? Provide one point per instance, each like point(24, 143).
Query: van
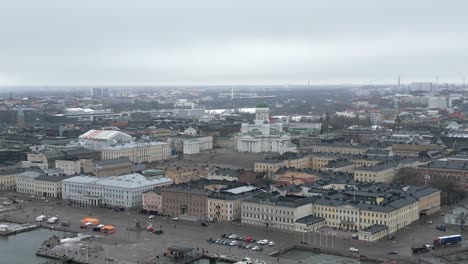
point(40, 218)
point(52, 220)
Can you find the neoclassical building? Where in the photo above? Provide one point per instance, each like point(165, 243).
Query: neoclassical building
point(263, 136)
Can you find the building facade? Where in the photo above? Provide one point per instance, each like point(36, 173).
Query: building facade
point(197, 145)
point(263, 136)
point(124, 191)
point(138, 152)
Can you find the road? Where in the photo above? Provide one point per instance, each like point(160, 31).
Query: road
point(132, 246)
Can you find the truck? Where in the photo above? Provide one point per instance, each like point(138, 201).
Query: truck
point(421, 248)
point(447, 240)
point(52, 220)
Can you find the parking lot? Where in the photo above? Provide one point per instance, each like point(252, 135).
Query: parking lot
point(129, 246)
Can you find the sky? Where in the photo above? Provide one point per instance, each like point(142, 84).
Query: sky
point(224, 42)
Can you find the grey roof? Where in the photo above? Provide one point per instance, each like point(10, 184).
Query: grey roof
point(379, 167)
point(31, 174)
point(310, 220)
point(129, 181)
point(12, 171)
point(112, 161)
point(227, 172)
point(374, 229)
point(224, 195)
point(447, 164)
point(287, 201)
point(52, 178)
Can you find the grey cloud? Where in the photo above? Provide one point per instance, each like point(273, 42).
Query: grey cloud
point(223, 42)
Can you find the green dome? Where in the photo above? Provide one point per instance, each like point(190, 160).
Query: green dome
point(262, 104)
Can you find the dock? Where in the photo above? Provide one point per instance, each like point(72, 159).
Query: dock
point(7, 229)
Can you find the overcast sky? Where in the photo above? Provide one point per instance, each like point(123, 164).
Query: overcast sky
point(171, 42)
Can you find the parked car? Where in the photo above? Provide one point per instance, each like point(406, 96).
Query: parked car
point(441, 228)
point(391, 237)
point(353, 249)
point(262, 242)
point(204, 224)
point(429, 222)
point(271, 243)
point(151, 216)
point(233, 243)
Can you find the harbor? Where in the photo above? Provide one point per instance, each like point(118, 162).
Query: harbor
point(8, 228)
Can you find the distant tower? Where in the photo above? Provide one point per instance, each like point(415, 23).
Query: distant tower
point(20, 119)
point(399, 83)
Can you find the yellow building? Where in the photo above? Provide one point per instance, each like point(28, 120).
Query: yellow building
point(379, 173)
point(8, 179)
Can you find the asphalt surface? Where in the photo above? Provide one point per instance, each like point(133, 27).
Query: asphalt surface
point(127, 246)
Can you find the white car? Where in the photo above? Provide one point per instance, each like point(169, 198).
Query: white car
point(233, 236)
point(233, 243)
point(262, 242)
point(271, 243)
point(175, 218)
point(353, 249)
point(151, 216)
point(256, 248)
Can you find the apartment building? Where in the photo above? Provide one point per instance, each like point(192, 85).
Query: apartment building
point(369, 210)
point(334, 149)
point(185, 201)
point(274, 211)
point(379, 173)
point(452, 170)
point(49, 186)
point(152, 201)
point(112, 167)
point(225, 205)
point(8, 178)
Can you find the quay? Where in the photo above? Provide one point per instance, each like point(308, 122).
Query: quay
point(8, 228)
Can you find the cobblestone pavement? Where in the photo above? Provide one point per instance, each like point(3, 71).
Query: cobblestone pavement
point(127, 246)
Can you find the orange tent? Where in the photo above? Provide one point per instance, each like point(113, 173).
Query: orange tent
point(108, 229)
point(93, 221)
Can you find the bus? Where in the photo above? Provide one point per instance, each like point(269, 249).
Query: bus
point(447, 240)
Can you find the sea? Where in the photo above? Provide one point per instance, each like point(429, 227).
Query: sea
point(21, 248)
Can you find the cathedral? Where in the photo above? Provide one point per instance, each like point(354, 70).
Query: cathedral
point(263, 136)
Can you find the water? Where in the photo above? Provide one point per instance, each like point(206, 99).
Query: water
point(21, 248)
point(307, 257)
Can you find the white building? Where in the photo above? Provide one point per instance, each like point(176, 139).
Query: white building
point(421, 87)
point(115, 144)
point(25, 181)
point(190, 131)
point(438, 102)
point(197, 144)
point(138, 152)
point(376, 118)
point(273, 211)
point(263, 136)
point(120, 191)
point(97, 139)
